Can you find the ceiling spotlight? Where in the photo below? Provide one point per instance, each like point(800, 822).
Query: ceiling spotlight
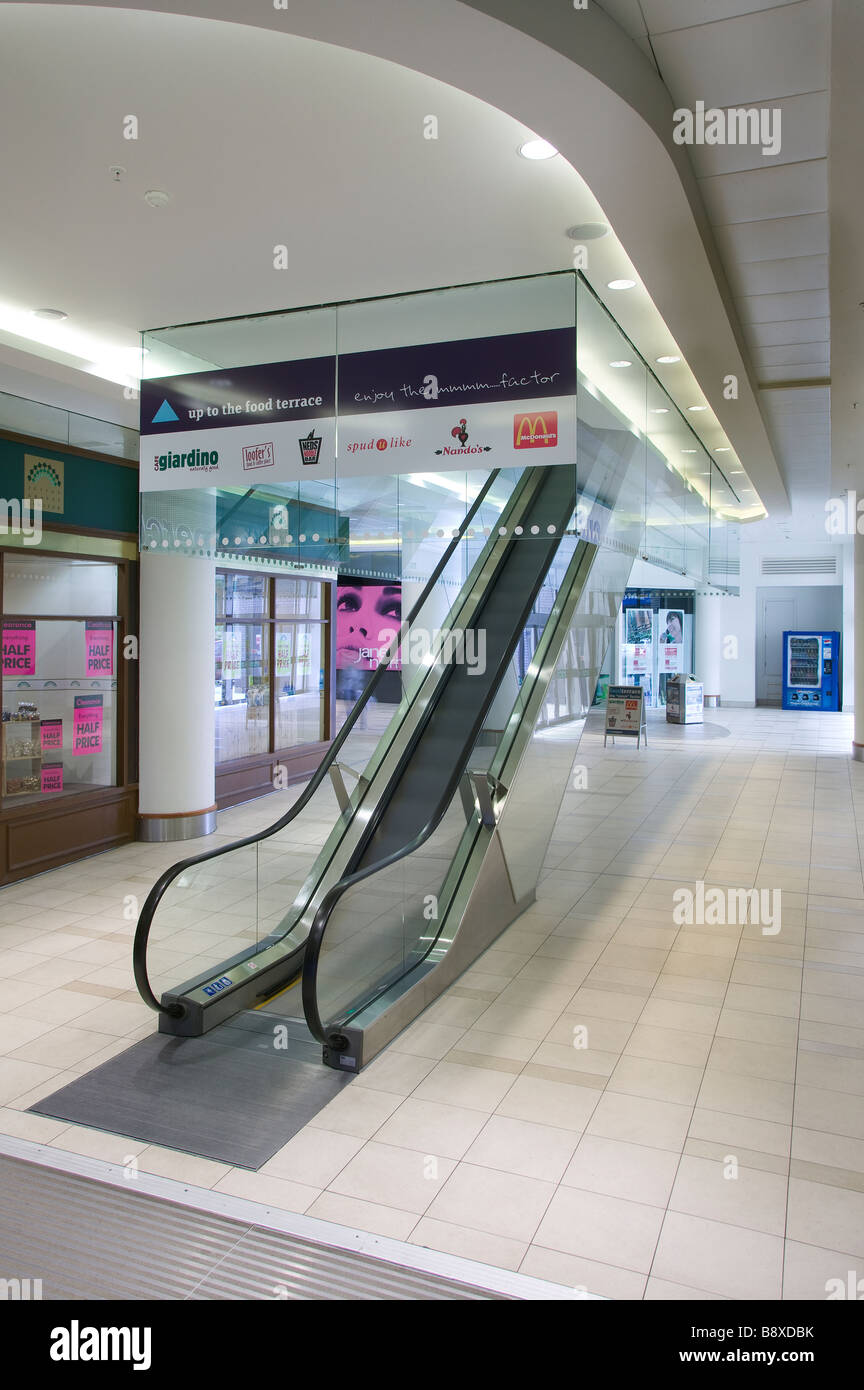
point(622, 363)
point(157, 198)
point(587, 231)
point(689, 451)
point(659, 410)
point(668, 359)
point(537, 149)
point(56, 314)
point(723, 449)
point(621, 284)
point(697, 407)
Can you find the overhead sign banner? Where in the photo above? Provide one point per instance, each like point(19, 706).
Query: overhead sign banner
point(87, 725)
point(450, 406)
point(19, 648)
point(238, 425)
point(453, 406)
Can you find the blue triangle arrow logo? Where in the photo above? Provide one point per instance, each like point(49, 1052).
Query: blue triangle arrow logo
point(164, 414)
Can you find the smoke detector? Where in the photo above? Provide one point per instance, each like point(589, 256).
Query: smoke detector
point(157, 198)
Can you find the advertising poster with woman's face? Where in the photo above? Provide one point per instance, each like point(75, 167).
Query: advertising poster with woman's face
point(671, 640)
point(368, 617)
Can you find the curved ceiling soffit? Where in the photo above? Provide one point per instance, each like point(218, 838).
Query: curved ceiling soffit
point(520, 59)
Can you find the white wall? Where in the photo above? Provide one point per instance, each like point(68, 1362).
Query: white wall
point(738, 672)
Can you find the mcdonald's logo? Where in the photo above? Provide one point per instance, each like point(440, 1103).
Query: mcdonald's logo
point(535, 431)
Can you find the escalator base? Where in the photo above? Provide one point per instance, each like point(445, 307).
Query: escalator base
point(236, 1095)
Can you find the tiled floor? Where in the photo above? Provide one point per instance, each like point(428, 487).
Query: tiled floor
point(607, 1098)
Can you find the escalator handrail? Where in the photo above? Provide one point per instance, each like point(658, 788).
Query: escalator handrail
point(154, 897)
point(314, 940)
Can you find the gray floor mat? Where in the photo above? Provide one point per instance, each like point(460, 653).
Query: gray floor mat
point(231, 1096)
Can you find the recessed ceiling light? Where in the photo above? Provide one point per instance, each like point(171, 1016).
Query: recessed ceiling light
point(587, 231)
point(621, 284)
point(659, 410)
point(157, 197)
point(689, 451)
point(697, 407)
point(667, 359)
point(622, 363)
point(50, 314)
point(537, 149)
point(723, 449)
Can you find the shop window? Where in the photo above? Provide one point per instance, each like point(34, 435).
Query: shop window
point(254, 715)
point(60, 654)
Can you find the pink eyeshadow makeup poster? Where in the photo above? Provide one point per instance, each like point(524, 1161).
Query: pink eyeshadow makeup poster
point(368, 616)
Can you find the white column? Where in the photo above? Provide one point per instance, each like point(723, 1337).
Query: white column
point(177, 672)
point(858, 736)
point(708, 643)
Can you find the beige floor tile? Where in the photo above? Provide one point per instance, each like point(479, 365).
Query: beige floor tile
point(357, 1110)
point(618, 1169)
point(363, 1216)
point(728, 1260)
point(740, 1197)
point(424, 1039)
point(182, 1167)
point(747, 1095)
point(271, 1191)
point(395, 1073)
point(689, 1017)
point(741, 1131)
point(775, 1062)
point(637, 1120)
point(477, 1088)
point(590, 1003)
point(818, 1275)
point(18, 1079)
point(749, 998)
point(59, 1047)
point(822, 1069)
point(668, 1045)
point(585, 1276)
point(97, 1143)
point(757, 1028)
point(663, 1291)
point(468, 1244)
point(522, 1147)
point(831, 1217)
point(432, 1126)
point(640, 1076)
point(549, 1102)
point(517, 1020)
point(833, 1150)
point(314, 1157)
point(394, 1177)
point(479, 1043)
point(484, 1199)
point(607, 1229)
point(18, 1124)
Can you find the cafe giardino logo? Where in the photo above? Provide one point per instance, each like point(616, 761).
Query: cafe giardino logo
point(199, 459)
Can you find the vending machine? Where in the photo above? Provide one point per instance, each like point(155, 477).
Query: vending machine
point(811, 670)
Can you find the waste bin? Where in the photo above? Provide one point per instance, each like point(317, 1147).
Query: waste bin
point(684, 700)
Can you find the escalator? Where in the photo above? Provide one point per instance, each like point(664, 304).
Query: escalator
point(434, 850)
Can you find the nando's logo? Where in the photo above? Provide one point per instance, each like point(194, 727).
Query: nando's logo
point(538, 431)
point(460, 434)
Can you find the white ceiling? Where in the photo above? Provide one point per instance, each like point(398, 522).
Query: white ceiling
point(265, 138)
point(769, 214)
